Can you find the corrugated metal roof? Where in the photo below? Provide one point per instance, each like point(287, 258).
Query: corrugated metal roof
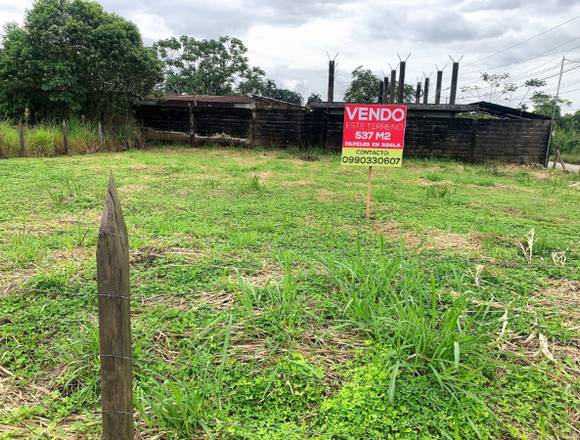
point(482, 106)
point(210, 99)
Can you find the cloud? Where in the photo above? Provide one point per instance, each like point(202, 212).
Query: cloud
point(290, 39)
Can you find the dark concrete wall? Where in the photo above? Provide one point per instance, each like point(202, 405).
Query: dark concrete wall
point(472, 140)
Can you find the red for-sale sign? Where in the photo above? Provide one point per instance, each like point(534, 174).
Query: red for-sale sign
point(373, 134)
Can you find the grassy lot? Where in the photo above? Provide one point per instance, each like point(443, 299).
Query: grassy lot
point(265, 306)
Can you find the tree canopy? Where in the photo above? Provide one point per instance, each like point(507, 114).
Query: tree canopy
point(365, 88)
point(203, 67)
point(214, 67)
point(71, 56)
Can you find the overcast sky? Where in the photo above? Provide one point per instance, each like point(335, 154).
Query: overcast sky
point(291, 39)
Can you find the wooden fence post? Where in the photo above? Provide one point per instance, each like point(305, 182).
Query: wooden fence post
point(190, 107)
point(65, 137)
point(114, 321)
point(21, 138)
point(100, 132)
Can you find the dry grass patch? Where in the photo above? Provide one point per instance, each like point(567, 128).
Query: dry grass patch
point(77, 254)
point(14, 396)
point(564, 295)
point(146, 256)
point(299, 183)
point(454, 241)
point(262, 175)
point(426, 182)
point(261, 277)
point(431, 239)
point(11, 281)
point(329, 348)
point(131, 188)
point(325, 195)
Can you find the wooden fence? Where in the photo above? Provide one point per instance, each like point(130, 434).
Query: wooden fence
point(65, 140)
point(114, 321)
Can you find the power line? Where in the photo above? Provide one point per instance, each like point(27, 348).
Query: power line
point(544, 78)
point(540, 65)
point(531, 73)
point(557, 74)
point(524, 41)
point(570, 91)
point(546, 52)
point(536, 73)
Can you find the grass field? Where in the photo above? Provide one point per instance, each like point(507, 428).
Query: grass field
point(266, 307)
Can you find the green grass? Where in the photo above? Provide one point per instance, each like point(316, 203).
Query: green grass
point(266, 306)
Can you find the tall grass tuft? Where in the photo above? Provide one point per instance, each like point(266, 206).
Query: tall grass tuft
point(9, 145)
point(397, 304)
point(46, 139)
point(187, 407)
point(280, 300)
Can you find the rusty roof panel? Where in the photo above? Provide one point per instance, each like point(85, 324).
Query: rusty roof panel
point(210, 99)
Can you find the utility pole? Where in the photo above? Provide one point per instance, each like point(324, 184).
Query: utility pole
point(554, 115)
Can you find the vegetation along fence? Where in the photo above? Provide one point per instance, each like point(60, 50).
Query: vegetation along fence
point(64, 137)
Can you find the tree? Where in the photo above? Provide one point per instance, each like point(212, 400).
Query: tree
point(364, 87)
point(203, 67)
point(497, 88)
point(254, 82)
point(285, 95)
point(530, 84)
point(18, 77)
point(543, 104)
point(214, 67)
point(314, 97)
point(72, 57)
point(408, 93)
